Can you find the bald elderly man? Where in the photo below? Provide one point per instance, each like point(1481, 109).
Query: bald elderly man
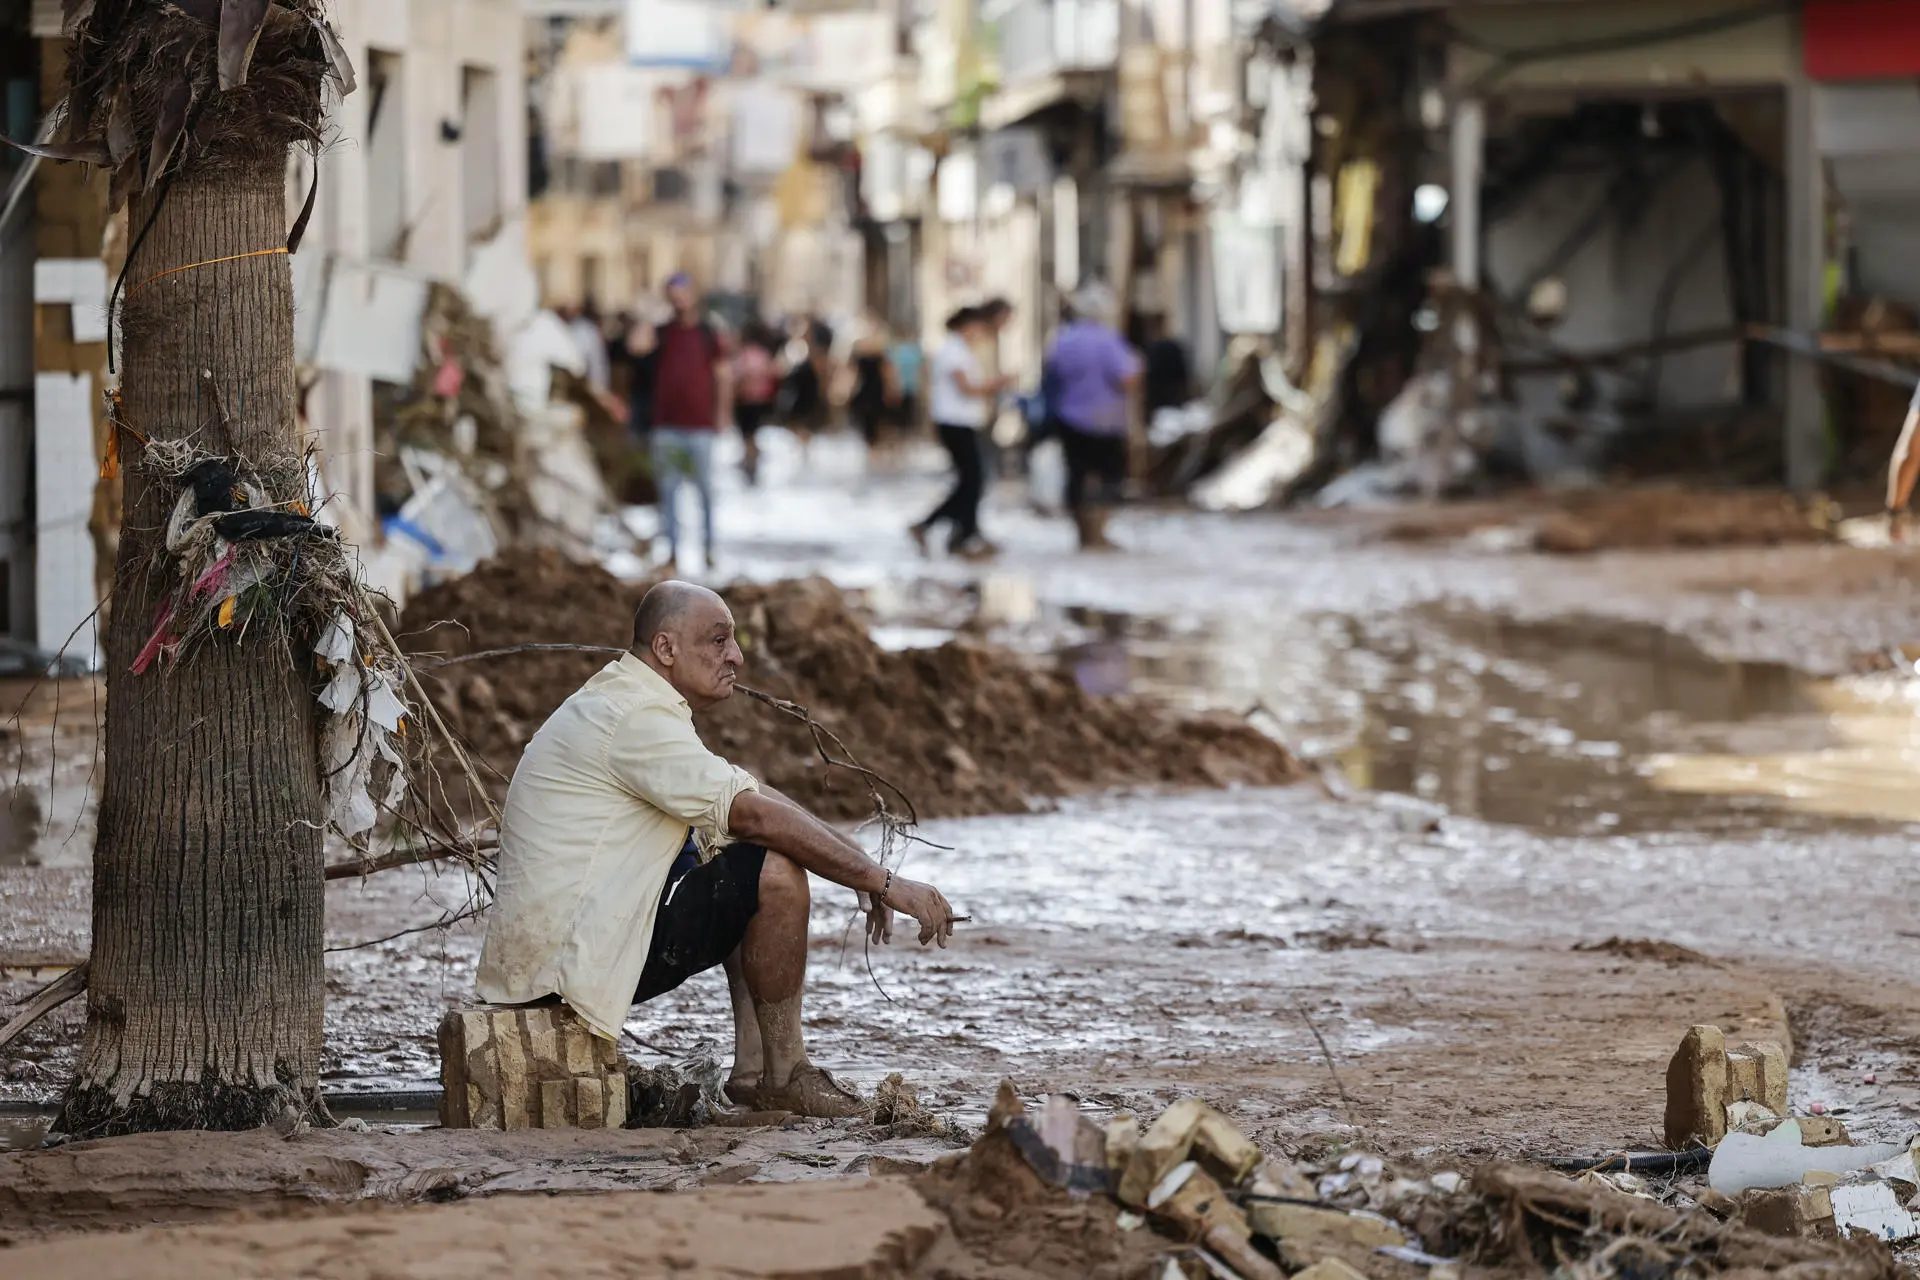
point(632, 858)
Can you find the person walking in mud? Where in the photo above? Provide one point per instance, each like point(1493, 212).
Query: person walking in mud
point(631, 858)
point(961, 398)
point(692, 385)
point(1095, 374)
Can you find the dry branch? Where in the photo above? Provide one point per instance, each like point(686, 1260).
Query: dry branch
point(367, 866)
point(46, 1000)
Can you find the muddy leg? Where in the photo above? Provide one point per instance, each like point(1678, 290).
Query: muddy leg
point(745, 1076)
point(773, 965)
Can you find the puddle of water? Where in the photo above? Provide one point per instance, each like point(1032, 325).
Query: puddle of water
point(1578, 726)
point(22, 1132)
point(1869, 771)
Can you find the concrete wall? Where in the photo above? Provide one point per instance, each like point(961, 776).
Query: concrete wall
point(1869, 140)
point(439, 45)
point(1613, 283)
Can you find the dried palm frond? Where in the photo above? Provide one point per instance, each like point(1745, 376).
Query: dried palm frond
point(152, 87)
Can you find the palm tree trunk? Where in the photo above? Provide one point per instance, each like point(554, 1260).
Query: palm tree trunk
point(207, 989)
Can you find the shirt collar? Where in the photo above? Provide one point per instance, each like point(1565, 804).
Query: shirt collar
point(653, 680)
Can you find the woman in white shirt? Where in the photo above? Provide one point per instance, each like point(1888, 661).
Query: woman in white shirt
point(960, 400)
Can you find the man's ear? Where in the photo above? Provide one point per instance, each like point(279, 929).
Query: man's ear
point(663, 648)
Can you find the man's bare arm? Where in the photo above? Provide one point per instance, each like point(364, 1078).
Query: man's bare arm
point(787, 829)
point(778, 823)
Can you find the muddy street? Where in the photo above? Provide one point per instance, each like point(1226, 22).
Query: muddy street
point(1565, 808)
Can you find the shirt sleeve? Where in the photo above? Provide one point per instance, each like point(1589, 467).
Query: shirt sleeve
point(657, 756)
point(1122, 363)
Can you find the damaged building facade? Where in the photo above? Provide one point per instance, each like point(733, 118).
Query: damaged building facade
point(1578, 240)
point(421, 181)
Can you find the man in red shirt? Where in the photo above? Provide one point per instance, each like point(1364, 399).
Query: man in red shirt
point(692, 394)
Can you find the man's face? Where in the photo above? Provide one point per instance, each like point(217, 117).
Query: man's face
point(681, 297)
point(702, 657)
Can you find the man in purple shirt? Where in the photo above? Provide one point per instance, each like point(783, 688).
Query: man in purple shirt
point(1092, 373)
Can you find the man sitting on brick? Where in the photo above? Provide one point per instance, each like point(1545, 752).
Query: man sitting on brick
point(631, 858)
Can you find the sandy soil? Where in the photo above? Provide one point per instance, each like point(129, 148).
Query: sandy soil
point(827, 1231)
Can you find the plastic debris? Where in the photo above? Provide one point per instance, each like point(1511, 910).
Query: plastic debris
point(1873, 1207)
point(366, 713)
point(1780, 1159)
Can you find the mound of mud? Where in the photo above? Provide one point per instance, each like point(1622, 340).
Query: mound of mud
point(962, 729)
point(1622, 519)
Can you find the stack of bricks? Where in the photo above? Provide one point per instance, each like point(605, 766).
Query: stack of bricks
point(528, 1068)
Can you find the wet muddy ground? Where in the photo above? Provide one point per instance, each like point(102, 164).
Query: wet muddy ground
point(1536, 768)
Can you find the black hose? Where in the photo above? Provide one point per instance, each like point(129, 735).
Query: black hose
point(1653, 1162)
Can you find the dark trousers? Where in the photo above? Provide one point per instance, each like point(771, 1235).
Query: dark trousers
point(1096, 467)
point(962, 505)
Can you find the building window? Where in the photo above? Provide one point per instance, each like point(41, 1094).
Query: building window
point(386, 153)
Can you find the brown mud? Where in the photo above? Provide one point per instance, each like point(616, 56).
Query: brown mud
point(961, 729)
point(1577, 522)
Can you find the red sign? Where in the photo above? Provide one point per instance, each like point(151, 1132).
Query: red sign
point(1861, 39)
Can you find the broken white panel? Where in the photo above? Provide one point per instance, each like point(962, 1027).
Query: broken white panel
point(63, 480)
point(766, 127)
point(957, 187)
point(1874, 1208)
point(500, 284)
point(1743, 1161)
point(81, 283)
point(677, 33)
point(371, 326)
point(615, 107)
point(1246, 275)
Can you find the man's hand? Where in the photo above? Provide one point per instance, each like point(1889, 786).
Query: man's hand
point(879, 919)
point(924, 903)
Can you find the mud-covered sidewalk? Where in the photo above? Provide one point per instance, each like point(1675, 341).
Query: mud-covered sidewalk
point(1499, 945)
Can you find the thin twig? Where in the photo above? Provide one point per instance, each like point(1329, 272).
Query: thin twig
point(434, 664)
point(467, 912)
point(1346, 1101)
point(404, 858)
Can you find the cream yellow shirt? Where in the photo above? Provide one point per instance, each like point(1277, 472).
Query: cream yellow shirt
point(599, 807)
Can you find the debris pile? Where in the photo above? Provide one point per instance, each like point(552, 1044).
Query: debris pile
point(962, 729)
point(683, 1094)
point(1052, 1193)
point(1784, 1174)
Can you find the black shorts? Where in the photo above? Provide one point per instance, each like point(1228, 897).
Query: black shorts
point(702, 917)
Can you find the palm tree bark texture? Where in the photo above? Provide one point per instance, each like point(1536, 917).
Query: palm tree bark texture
point(207, 983)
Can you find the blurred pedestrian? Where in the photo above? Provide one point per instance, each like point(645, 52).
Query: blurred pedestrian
point(1094, 374)
point(692, 389)
point(906, 360)
point(997, 314)
point(803, 388)
point(756, 383)
point(867, 403)
point(961, 399)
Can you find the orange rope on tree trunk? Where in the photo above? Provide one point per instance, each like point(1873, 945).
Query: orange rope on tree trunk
point(232, 257)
